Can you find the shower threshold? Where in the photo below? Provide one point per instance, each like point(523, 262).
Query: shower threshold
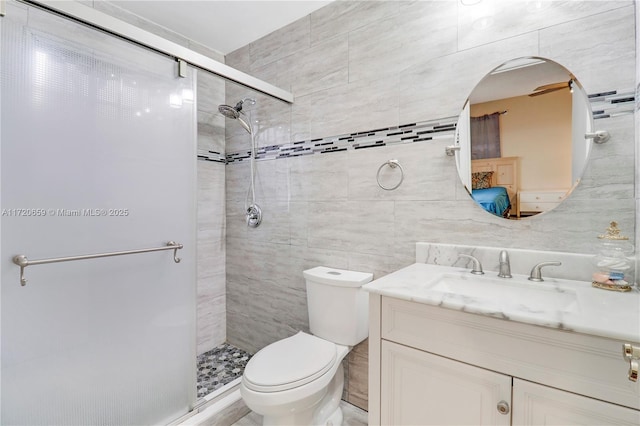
point(219, 366)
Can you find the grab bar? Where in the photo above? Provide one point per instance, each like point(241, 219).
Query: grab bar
point(22, 261)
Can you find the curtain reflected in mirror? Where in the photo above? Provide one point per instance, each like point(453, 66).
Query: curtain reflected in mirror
point(485, 136)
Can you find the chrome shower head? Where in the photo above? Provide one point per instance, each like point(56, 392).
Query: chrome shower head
point(229, 111)
point(234, 113)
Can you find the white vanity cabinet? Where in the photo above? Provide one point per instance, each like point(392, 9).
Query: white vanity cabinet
point(535, 404)
point(419, 388)
point(435, 366)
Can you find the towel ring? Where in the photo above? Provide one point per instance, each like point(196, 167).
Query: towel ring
point(393, 164)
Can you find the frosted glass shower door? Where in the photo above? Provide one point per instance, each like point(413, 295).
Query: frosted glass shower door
point(97, 154)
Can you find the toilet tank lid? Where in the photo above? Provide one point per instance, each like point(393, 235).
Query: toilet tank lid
point(337, 277)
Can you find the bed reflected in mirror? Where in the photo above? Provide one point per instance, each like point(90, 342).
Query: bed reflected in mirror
point(521, 138)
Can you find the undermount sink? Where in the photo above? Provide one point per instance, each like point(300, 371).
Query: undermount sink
point(558, 303)
point(504, 294)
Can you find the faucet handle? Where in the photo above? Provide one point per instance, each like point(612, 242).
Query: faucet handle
point(536, 271)
point(477, 266)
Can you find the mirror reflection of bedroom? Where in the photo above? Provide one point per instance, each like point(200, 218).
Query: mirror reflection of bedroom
point(523, 158)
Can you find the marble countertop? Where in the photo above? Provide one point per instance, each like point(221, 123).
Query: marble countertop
point(568, 305)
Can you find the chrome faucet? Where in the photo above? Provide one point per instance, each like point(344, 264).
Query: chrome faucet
point(505, 266)
point(536, 272)
point(477, 266)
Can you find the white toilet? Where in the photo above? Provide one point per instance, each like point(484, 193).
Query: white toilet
point(299, 380)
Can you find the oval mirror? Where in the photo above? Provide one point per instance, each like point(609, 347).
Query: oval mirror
point(520, 139)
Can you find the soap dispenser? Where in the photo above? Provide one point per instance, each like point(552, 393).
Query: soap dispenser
point(614, 265)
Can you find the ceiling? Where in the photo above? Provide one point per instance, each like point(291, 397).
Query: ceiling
point(518, 77)
point(222, 25)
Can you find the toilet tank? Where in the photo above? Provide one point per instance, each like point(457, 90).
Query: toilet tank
point(338, 307)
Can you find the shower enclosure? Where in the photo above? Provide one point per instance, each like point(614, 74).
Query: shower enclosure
point(97, 155)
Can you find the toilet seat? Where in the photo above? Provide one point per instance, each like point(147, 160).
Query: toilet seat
point(289, 363)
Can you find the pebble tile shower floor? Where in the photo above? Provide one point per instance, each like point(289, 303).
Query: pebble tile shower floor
point(220, 366)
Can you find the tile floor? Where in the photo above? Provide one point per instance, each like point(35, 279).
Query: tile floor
point(220, 366)
point(353, 416)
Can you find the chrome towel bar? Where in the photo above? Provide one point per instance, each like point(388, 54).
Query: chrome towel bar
point(22, 261)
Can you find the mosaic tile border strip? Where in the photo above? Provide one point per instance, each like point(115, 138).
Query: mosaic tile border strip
point(219, 366)
point(612, 103)
point(604, 105)
point(407, 133)
point(212, 156)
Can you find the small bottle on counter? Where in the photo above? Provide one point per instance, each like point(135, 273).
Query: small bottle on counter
point(614, 263)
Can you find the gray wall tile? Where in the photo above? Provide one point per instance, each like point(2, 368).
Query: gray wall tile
point(211, 93)
point(211, 280)
point(407, 62)
point(436, 182)
point(408, 34)
point(427, 91)
point(210, 133)
point(211, 320)
point(358, 106)
point(319, 177)
point(637, 136)
point(347, 226)
point(598, 50)
point(320, 67)
point(514, 18)
point(607, 175)
point(283, 42)
point(345, 16)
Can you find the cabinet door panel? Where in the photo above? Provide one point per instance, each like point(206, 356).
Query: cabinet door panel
point(419, 388)
point(539, 405)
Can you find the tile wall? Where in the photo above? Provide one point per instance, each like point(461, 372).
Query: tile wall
point(211, 307)
point(637, 133)
point(360, 66)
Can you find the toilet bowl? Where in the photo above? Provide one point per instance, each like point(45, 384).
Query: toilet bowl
point(299, 380)
point(291, 377)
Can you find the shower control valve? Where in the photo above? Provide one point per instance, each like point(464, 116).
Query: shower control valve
point(254, 216)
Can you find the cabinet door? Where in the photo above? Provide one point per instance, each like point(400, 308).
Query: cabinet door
point(419, 388)
point(539, 405)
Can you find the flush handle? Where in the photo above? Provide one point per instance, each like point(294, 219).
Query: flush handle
point(632, 354)
point(503, 407)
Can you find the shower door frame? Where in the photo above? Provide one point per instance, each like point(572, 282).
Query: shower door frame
point(95, 18)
